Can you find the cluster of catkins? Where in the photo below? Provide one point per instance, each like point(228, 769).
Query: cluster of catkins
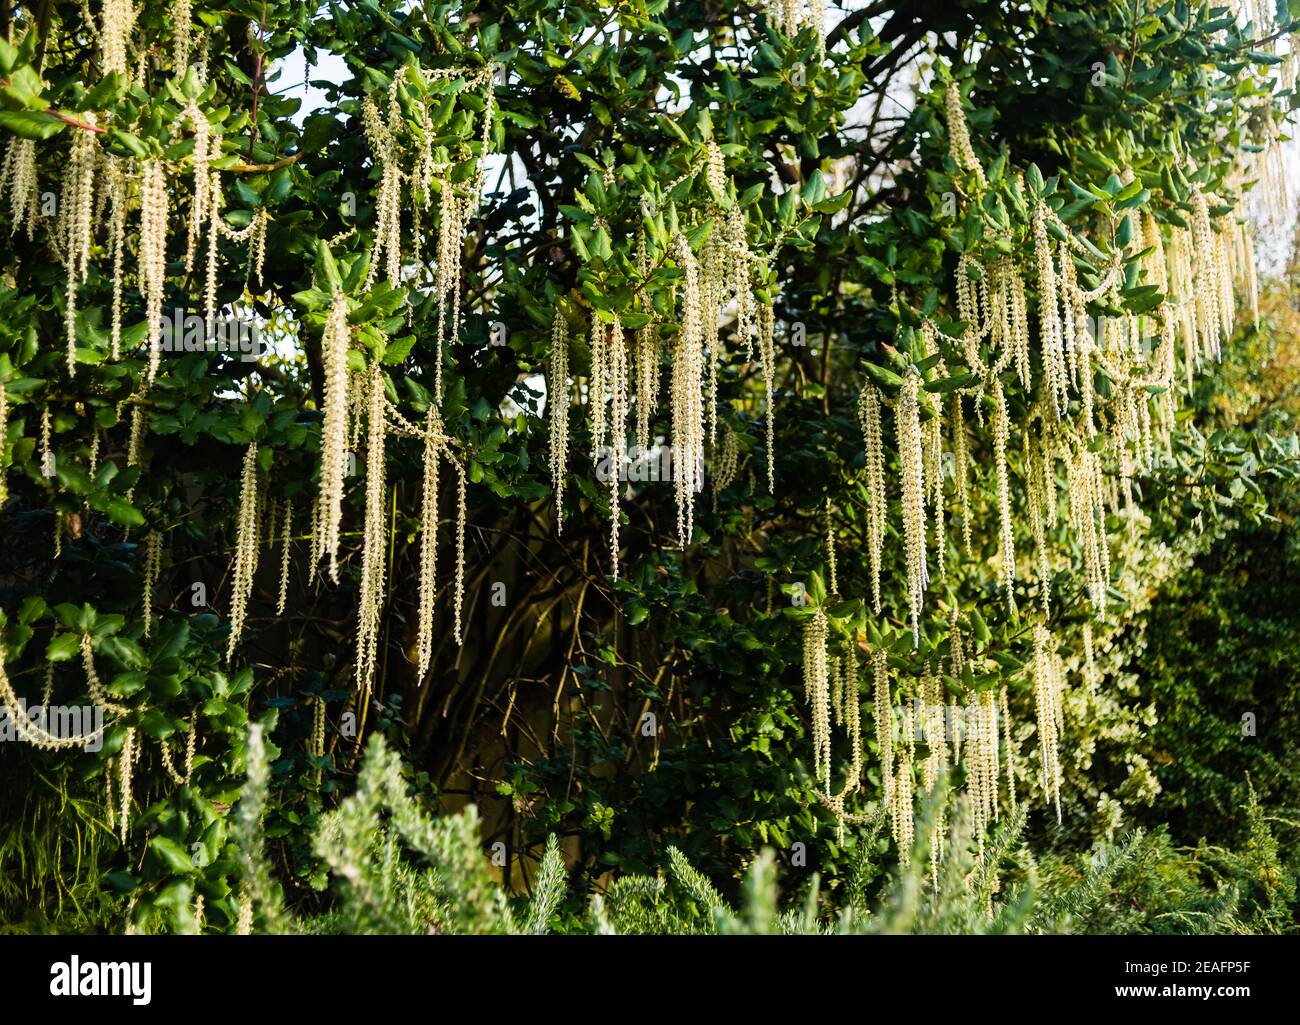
point(356, 405)
point(792, 15)
point(624, 382)
point(99, 191)
point(429, 179)
point(973, 734)
point(1059, 416)
point(831, 689)
point(356, 400)
point(102, 189)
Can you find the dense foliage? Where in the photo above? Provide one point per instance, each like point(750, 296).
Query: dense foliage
point(941, 322)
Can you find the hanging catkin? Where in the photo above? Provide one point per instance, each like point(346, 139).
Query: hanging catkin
point(1087, 519)
point(169, 766)
point(936, 760)
point(76, 211)
point(381, 132)
point(726, 466)
point(1018, 316)
point(1090, 674)
point(982, 761)
point(1009, 749)
point(202, 130)
point(767, 363)
point(459, 597)
point(1209, 268)
point(907, 416)
point(451, 216)
point(830, 549)
point(877, 509)
point(19, 172)
point(215, 201)
point(959, 146)
point(375, 535)
point(246, 549)
point(598, 387)
point(318, 727)
point(932, 434)
point(646, 370)
point(1223, 275)
point(1036, 499)
point(94, 685)
point(116, 22)
point(33, 730)
point(4, 431)
point(712, 269)
point(740, 263)
point(182, 35)
point(334, 430)
point(687, 395)
point(847, 713)
point(313, 544)
point(932, 451)
point(152, 564)
point(118, 195)
point(153, 254)
point(428, 539)
point(286, 555)
point(956, 656)
point(47, 453)
point(557, 398)
point(135, 435)
point(619, 387)
point(645, 357)
point(126, 759)
point(961, 467)
point(884, 715)
point(1074, 318)
point(436, 444)
point(816, 679)
point(901, 811)
point(1050, 331)
point(1001, 434)
point(837, 689)
point(1047, 707)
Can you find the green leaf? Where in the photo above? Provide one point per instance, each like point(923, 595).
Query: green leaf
point(123, 685)
point(327, 266)
point(173, 856)
point(814, 189)
point(63, 647)
point(816, 588)
point(398, 349)
point(845, 609)
point(123, 513)
point(32, 609)
point(883, 375)
point(952, 383)
point(1034, 179)
point(29, 124)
